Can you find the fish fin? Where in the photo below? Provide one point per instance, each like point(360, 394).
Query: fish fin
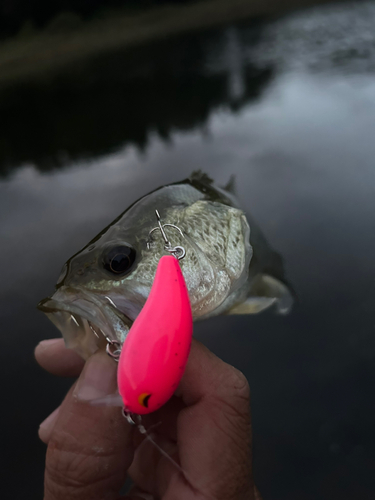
point(230, 186)
point(266, 292)
point(199, 176)
point(253, 305)
point(110, 400)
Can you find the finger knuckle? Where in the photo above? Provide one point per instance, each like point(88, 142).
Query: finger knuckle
point(234, 405)
point(69, 473)
point(238, 384)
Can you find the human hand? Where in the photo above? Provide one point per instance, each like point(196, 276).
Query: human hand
point(205, 428)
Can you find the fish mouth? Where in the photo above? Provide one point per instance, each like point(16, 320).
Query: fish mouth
point(87, 321)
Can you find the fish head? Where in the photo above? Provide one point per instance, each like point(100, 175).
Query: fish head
point(89, 305)
point(102, 288)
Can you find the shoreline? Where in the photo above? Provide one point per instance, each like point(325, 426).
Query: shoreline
point(45, 54)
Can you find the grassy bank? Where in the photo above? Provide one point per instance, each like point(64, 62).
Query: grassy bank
point(39, 54)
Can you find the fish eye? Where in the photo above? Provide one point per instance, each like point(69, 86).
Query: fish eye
point(119, 260)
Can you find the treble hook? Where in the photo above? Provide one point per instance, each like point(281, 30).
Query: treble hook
point(113, 347)
point(166, 241)
point(178, 251)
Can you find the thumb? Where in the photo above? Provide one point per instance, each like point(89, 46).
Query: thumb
point(212, 431)
point(90, 447)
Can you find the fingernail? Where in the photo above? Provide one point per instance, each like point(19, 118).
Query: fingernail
point(98, 378)
point(47, 343)
point(46, 427)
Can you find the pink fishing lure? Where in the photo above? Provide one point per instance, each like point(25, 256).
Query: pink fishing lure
point(156, 350)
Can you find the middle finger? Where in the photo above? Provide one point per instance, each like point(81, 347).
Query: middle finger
point(53, 356)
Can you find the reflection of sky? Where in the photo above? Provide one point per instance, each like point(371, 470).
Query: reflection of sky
point(303, 156)
point(309, 142)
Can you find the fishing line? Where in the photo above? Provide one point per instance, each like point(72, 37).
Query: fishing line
point(146, 432)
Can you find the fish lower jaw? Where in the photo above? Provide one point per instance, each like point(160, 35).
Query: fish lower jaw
point(84, 327)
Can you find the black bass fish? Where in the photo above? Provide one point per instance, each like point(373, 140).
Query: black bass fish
point(228, 268)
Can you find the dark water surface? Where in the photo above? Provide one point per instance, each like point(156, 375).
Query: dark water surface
point(287, 106)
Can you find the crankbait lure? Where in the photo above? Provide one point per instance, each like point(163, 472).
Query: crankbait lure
point(154, 355)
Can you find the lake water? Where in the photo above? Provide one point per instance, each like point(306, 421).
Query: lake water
point(288, 107)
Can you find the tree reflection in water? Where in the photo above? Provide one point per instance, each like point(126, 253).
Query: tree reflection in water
point(118, 99)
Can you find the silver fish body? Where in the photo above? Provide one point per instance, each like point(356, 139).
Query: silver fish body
point(103, 287)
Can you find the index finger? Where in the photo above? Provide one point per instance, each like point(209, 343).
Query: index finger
point(90, 447)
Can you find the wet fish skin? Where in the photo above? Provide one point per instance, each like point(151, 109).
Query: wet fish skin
point(217, 266)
